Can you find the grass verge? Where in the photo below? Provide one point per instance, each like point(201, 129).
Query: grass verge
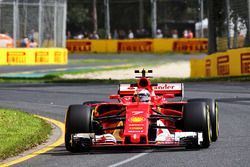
point(154, 80)
point(20, 131)
point(84, 71)
point(95, 61)
point(57, 79)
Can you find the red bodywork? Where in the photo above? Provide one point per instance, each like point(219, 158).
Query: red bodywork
point(137, 123)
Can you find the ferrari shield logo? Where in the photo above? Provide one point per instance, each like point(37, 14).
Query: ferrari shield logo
point(136, 119)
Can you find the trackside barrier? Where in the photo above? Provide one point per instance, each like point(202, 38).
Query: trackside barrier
point(127, 46)
point(34, 56)
point(190, 45)
point(92, 46)
point(234, 62)
point(138, 46)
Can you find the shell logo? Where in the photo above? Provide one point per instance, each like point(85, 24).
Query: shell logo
point(136, 119)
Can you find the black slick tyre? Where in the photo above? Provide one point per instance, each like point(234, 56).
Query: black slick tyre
point(214, 115)
point(92, 102)
point(78, 120)
point(196, 118)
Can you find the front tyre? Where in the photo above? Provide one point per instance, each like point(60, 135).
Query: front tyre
point(214, 115)
point(196, 118)
point(78, 120)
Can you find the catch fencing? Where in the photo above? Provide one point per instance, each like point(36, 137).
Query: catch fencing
point(117, 18)
point(230, 24)
point(41, 20)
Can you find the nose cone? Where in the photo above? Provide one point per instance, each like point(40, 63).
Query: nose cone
point(137, 123)
point(135, 138)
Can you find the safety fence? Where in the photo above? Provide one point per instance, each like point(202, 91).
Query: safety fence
point(138, 46)
point(234, 62)
point(229, 24)
point(39, 56)
point(43, 21)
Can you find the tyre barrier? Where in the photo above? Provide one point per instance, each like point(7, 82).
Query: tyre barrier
point(34, 56)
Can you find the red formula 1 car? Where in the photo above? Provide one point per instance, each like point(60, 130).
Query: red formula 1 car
point(146, 114)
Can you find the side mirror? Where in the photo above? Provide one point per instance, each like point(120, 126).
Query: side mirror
point(137, 71)
point(114, 97)
point(168, 95)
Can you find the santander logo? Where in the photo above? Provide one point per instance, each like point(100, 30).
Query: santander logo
point(137, 112)
point(164, 87)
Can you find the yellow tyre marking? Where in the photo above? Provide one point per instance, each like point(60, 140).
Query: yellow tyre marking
point(217, 120)
point(209, 126)
point(59, 142)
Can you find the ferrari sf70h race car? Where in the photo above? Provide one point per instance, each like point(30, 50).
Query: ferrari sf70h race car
point(145, 114)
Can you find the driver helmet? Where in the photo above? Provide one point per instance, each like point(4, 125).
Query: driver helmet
point(144, 95)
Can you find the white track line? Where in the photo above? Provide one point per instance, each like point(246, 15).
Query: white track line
point(128, 160)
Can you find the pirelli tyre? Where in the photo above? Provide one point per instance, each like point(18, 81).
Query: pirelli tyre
point(214, 115)
point(196, 118)
point(78, 120)
point(93, 102)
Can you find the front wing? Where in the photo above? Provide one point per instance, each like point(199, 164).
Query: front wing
point(178, 139)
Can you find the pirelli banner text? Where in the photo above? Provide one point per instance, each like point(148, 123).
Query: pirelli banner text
point(34, 56)
point(231, 63)
point(138, 46)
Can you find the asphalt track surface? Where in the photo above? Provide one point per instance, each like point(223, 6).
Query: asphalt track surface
point(51, 100)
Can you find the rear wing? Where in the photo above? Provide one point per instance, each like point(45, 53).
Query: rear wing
point(169, 88)
point(126, 89)
point(160, 89)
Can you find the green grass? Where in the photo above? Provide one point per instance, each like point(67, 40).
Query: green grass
point(20, 131)
point(56, 79)
point(94, 61)
point(153, 80)
point(59, 73)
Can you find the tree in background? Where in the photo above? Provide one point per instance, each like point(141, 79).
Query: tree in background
point(127, 14)
point(78, 18)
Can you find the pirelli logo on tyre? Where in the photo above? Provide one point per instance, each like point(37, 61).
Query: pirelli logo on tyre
point(208, 67)
point(223, 65)
point(245, 63)
point(135, 46)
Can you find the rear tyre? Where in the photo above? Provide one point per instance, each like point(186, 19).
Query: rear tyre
point(92, 102)
point(214, 115)
point(78, 120)
point(196, 118)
